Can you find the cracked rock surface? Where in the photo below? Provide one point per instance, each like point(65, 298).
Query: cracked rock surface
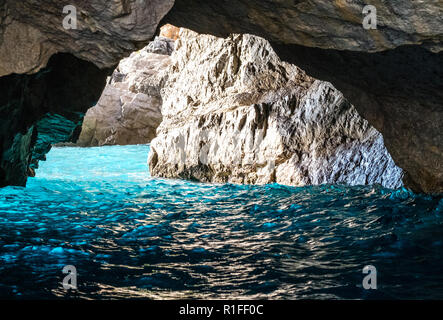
point(234, 112)
point(32, 31)
point(129, 110)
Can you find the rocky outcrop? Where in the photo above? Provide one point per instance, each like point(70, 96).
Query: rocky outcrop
point(129, 110)
point(399, 93)
point(234, 112)
point(47, 68)
point(391, 74)
point(14, 162)
point(169, 31)
point(32, 30)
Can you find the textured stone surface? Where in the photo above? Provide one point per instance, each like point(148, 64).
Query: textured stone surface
point(129, 110)
point(32, 30)
point(233, 112)
point(327, 24)
point(169, 31)
point(393, 75)
point(14, 163)
point(399, 92)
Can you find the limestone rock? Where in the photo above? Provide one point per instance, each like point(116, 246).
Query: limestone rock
point(169, 31)
point(161, 45)
point(51, 130)
point(32, 30)
point(129, 110)
point(391, 74)
point(322, 24)
point(233, 112)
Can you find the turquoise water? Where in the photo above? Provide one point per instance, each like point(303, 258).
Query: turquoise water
point(133, 236)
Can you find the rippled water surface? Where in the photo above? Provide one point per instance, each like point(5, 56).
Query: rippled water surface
point(132, 236)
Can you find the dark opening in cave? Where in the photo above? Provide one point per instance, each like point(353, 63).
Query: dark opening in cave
point(68, 86)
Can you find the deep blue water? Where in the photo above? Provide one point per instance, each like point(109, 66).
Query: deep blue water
point(133, 236)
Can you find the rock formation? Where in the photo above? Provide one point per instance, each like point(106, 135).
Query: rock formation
point(233, 112)
point(169, 31)
point(129, 110)
point(322, 24)
point(391, 74)
point(32, 30)
point(47, 68)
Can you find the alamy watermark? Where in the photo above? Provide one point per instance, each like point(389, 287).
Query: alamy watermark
point(70, 21)
point(370, 19)
point(70, 281)
point(370, 281)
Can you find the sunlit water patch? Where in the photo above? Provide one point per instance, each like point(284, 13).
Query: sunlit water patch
point(133, 236)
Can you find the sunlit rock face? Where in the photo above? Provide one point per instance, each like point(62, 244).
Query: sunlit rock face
point(234, 112)
point(169, 31)
point(129, 110)
point(399, 92)
point(391, 74)
point(32, 30)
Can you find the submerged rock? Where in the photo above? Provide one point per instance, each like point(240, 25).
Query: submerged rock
point(129, 110)
point(234, 112)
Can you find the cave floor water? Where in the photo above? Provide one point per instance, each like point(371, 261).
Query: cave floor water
point(133, 236)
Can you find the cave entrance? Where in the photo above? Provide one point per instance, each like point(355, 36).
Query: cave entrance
point(267, 110)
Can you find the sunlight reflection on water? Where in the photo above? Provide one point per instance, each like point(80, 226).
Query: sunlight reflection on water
point(133, 236)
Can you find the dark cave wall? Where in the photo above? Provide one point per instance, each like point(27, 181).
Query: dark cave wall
point(67, 85)
point(400, 92)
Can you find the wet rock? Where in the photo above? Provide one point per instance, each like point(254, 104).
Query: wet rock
point(14, 160)
point(234, 112)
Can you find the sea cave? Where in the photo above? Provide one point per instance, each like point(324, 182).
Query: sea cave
point(249, 149)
